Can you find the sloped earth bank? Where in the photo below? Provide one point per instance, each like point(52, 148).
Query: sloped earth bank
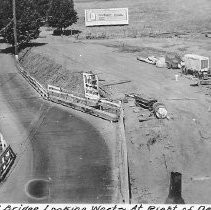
point(155, 147)
point(46, 71)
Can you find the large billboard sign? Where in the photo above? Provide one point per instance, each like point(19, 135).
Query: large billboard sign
point(91, 86)
point(99, 17)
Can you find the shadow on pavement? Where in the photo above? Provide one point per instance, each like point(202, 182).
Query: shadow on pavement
point(10, 50)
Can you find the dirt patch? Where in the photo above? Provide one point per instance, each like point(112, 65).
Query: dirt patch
point(143, 51)
point(38, 189)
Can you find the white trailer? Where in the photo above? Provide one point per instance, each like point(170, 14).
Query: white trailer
point(196, 64)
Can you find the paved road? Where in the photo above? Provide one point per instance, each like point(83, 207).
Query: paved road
point(52, 145)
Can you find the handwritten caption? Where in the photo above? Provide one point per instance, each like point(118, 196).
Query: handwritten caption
point(101, 207)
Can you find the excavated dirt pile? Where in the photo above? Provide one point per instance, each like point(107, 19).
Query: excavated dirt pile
point(47, 71)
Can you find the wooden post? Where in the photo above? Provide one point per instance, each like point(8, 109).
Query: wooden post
point(175, 189)
point(15, 28)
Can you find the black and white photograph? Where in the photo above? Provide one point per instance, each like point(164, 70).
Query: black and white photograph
point(105, 102)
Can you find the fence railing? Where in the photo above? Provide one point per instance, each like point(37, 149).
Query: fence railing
point(100, 108)
point(82, 106)
point(33, 82)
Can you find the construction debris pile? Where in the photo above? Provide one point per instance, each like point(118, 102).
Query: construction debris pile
point(171, 60)
point(196, 65)
point(156, 108)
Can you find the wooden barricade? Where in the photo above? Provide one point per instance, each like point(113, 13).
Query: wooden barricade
point(7, 158)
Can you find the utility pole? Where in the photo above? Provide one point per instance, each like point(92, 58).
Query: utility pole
point(15, 28)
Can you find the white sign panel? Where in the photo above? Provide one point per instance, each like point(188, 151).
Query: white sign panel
point(54, 89)
point(91, 86)
point(115, 16)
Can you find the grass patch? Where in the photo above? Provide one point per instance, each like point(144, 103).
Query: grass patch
point(148, 17)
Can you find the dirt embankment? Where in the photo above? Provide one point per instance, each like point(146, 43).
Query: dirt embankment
point(47, 71)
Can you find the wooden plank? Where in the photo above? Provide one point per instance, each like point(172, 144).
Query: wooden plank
point(117, 83)
point(86, 109)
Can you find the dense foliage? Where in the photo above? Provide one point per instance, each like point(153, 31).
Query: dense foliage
point(28, 21)
point(62, 14)
point(42, 7)
point(5, 12)
point(32, 14)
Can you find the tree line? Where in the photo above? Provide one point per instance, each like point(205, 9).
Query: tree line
point(32, 14)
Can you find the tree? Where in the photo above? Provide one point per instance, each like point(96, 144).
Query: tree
point(42, 7)
point(28, 21)
point(62, 14)
point(5, 13)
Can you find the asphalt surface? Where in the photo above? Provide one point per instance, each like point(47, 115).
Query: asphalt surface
point(65, 158)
